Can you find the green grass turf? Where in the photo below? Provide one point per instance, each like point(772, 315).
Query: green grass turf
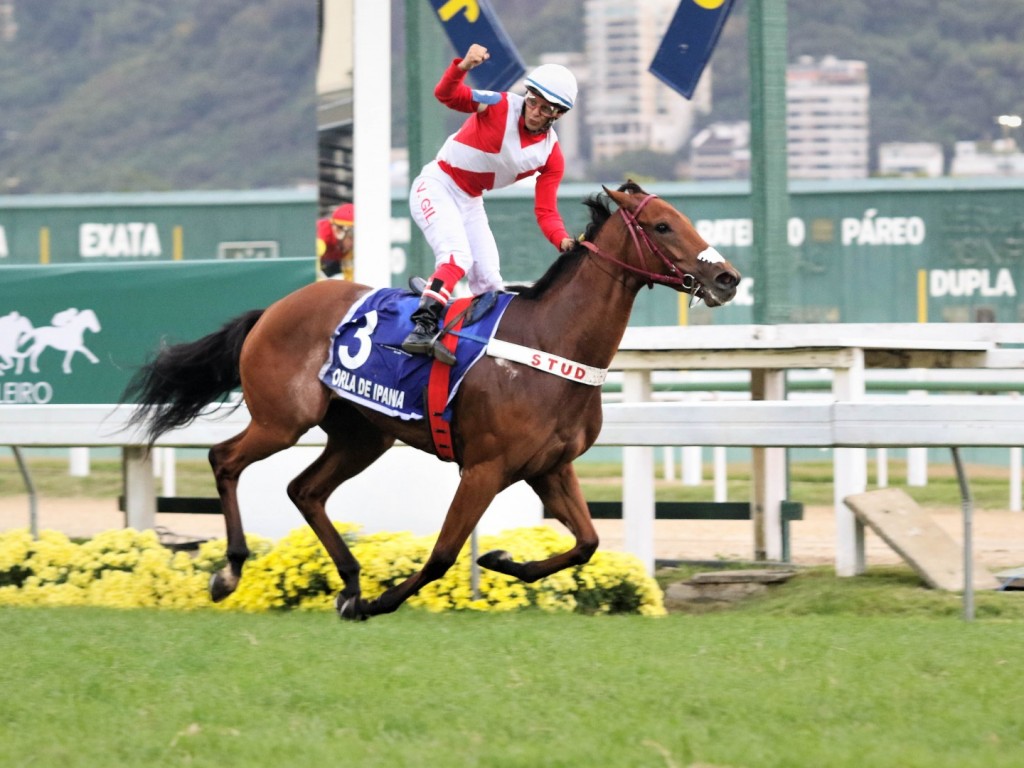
point(804, 686)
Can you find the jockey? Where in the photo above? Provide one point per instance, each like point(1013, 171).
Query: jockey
point(507, 137)
point(334, 241)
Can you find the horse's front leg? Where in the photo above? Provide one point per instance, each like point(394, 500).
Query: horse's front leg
point(560, 492)
point(478, 487)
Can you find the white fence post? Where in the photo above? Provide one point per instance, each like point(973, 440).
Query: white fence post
point(849, 472)
point(917, 467)
point(917, 458)
point(1015, 459)
point(693, 461)
point(638, 479)
point(78, 462)
point(170, 473)
point(139, 488)
point(721, 473)
point(769, 472)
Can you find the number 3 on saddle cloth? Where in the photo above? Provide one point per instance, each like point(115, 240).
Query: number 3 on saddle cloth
point(368, 366)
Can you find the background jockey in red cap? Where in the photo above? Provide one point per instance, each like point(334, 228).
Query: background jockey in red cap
point(334, 241)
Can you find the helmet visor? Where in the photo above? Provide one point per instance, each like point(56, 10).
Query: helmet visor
point(538, 103)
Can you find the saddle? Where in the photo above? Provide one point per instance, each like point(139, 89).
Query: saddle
point(367, 365)
point(460, 312)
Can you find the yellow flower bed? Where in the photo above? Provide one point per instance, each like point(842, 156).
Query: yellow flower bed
point(131, 569)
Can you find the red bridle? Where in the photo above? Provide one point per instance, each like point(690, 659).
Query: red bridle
point(687, 282)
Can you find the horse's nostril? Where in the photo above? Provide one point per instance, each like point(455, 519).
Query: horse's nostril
point(727, 279)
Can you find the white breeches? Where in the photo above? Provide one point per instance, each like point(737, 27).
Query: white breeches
point(455, 225)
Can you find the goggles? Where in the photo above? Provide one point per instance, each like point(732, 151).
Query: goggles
point(547, 110)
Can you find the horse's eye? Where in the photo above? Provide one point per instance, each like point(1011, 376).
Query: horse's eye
point(662, 227)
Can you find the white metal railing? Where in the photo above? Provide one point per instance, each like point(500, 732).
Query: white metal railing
point(940, 421)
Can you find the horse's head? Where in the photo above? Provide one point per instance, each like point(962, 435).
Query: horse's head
point(89, 320)
point(667, 248)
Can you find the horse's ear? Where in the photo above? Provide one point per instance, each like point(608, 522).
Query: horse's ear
point(621, 199)
point(634, 188)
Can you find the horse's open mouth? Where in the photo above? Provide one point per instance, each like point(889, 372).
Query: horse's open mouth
point(711, 297)
point(695, 288)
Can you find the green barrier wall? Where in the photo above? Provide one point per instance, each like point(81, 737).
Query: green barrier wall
point(119, 314)
point(75, 229)
point(878, 250)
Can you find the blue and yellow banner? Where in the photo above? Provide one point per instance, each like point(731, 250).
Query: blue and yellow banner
point(475, 21)
point(689, 42)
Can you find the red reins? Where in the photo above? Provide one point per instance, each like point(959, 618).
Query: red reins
point(687, 282)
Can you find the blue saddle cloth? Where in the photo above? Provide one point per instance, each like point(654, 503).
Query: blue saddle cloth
point(367, 364)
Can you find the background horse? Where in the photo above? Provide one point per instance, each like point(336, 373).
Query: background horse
point(510, 422)
point(67, 334)
point(15, 328)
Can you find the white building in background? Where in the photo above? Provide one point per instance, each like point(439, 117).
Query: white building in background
point(721, 151)
point(827, 118)
point(826, 127)
point(1001, 157)
point(910, 158)
point(628, 108)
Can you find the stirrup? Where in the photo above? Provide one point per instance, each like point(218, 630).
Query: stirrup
point(429, 345)
point(419, 343)
point(441, 353)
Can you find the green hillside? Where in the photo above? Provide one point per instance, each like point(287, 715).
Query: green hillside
point(126, 95)
point(131, 95)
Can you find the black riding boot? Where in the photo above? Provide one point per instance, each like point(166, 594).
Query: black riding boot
point(424, 337)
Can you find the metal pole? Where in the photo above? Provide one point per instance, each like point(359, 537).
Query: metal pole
point(769, 190)
point(967, 504)
point(474, 569)
point(33, 501)
point(371, 140)
point(427, 54)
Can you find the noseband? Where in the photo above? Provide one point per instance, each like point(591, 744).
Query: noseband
point(686, 281)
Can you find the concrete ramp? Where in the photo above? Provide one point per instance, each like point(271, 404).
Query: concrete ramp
point(909, 530)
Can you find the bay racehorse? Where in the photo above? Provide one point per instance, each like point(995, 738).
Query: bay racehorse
point(510, 422)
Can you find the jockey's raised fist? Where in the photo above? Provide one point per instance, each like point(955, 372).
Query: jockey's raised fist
point(475, 56)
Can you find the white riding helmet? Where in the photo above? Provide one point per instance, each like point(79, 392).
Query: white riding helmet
point(555, 83)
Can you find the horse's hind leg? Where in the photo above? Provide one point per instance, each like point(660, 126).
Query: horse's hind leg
point(353, 444)
point(228, 459)
point(560, 492)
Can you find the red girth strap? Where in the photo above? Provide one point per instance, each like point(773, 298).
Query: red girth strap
point(437, 385)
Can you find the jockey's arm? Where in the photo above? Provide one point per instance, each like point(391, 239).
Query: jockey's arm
point(545, 201)
point(452, 91)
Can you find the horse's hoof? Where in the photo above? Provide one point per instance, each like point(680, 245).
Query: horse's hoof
point(219, 587)
point(495, 560)
point(349, 608)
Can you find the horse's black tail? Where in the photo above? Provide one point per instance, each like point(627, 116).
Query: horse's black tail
point(173, 388)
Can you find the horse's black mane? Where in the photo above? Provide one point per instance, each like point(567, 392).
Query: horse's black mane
point(600, 212)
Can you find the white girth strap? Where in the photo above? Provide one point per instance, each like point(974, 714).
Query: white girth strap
point(544, 361)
